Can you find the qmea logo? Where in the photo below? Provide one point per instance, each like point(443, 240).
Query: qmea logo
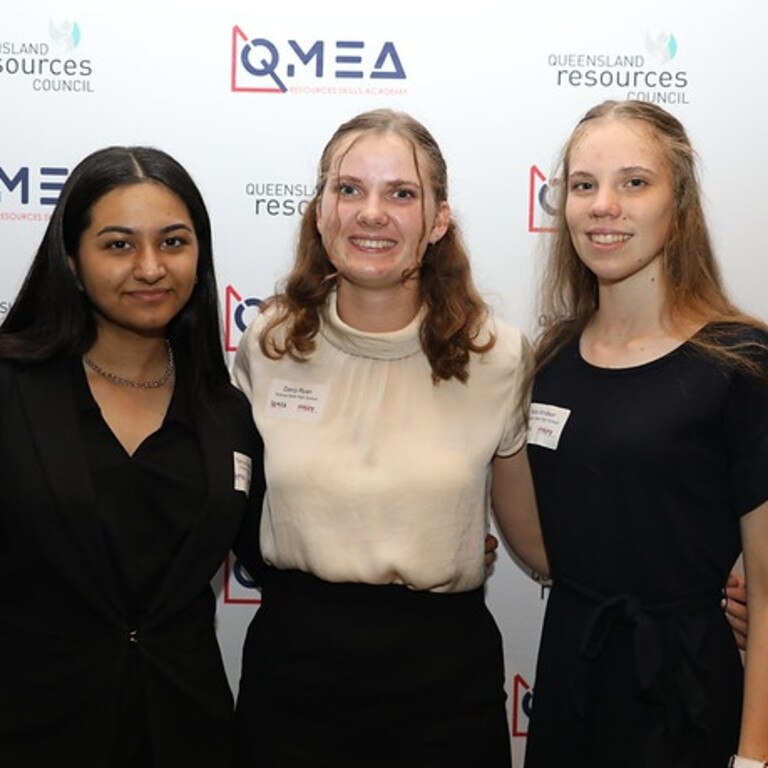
point(260, 65)
point(541, 207)
point(18, 182)
point(239, 587)
point(522, 706)
point(28, 194)
point(238, 314)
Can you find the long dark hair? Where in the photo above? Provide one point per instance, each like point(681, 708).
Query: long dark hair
point(51, 317)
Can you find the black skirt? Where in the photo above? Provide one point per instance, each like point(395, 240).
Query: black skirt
point(366, 676)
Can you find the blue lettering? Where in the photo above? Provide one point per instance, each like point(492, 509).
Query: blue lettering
point(388, 51)
point(348, 59)
point(316, 52)
point(51, 186)
point(22, 177)
point(267, 65)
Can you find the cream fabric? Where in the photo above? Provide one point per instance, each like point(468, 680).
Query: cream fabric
point(374, 473)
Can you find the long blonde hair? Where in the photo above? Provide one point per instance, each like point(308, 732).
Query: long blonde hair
point(691, 281)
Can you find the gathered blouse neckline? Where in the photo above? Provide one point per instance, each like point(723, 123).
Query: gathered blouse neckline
point(390, 345)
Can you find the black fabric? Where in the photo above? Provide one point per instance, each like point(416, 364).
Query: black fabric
point(640, 506)
point(148, 501)
point(364, 676)
point(69, 639)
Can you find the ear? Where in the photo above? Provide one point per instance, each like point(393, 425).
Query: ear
point(441, 223)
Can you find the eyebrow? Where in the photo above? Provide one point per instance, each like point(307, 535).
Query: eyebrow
point(627, 169)
point(129, 231)
point(349, 178)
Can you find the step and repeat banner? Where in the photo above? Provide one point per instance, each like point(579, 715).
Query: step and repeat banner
point(246, 94)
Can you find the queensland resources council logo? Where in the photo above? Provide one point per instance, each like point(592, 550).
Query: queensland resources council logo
point(50, 63)
point(311, 66)
point(277, 199)
point(650, 73)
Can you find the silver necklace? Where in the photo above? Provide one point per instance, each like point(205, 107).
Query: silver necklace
point(152, 384)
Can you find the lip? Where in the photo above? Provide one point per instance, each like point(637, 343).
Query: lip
point(150, 296)
point(608, 237)
point(372, 244)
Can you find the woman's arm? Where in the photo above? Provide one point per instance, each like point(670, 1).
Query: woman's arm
point(514, 507)
point(753, 740)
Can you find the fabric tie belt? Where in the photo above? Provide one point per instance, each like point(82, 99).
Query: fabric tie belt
point(647, 647)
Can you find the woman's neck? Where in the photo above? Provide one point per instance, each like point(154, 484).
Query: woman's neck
point(632, 326)
point(378, 311)
point(130, 356)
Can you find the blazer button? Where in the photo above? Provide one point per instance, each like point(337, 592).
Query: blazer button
point(133, 636)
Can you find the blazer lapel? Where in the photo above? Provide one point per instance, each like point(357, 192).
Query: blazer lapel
point(48, 399)
point(207, 541)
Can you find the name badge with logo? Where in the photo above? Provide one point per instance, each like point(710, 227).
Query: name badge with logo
point(242, 472)
point(546, 424)
point(298, 401)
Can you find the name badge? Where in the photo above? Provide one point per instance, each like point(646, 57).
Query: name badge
point(242, 472)
point(293, 400)
point(546, 424)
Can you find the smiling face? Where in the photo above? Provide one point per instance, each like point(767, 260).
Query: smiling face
point(377, 212)
point(137, 259)
point(620, 199)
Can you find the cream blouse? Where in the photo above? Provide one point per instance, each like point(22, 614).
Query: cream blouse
point(374, 473)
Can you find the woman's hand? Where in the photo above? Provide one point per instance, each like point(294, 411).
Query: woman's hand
point(491, 545)
point(735, 606)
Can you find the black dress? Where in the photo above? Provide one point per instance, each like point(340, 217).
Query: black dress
point(640, 502)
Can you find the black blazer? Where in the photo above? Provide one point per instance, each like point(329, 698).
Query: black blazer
point(64, 632)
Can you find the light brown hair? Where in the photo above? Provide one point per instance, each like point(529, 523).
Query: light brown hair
point(454, 310)
point(692, 283)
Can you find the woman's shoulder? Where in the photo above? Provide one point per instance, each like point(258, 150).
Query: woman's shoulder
point(737, 337)
point(11, 369)
point(738, 346)
point(12, 372)
point(736, 332)
point(266, 319)
point(509, 339)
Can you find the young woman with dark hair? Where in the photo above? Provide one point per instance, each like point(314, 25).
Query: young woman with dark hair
point(128, 467)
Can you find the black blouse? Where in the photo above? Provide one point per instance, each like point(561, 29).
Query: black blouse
point(149, 501)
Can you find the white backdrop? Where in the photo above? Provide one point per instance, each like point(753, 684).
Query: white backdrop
point(246, 94)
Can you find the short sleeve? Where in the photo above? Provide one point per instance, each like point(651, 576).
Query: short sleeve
point(746, 426)
point(519, 353)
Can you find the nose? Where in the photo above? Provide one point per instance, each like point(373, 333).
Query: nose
point(372, 211)
point(605, 203)
point(149, 265)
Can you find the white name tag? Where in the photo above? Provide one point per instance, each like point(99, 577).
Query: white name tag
point(296, 400)
point(242, 472)
point(546, 424)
